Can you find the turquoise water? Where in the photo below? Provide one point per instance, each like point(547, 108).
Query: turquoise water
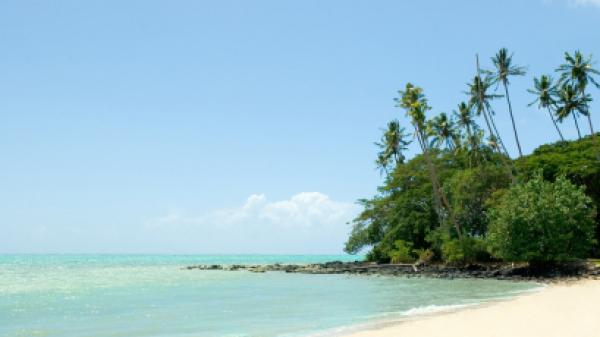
point(151, 296)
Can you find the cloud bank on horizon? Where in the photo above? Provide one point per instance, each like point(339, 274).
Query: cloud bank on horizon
point(308, 222)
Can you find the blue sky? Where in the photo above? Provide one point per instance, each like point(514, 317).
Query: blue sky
point(237, 126)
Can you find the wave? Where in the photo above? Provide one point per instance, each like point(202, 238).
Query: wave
point(390, 318)
point(432, 309)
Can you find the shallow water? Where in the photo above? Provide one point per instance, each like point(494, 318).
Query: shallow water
point(151, 296)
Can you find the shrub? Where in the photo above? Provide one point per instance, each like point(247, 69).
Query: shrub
point(541, 222)
point(424, 255)
point(576, 160)
point(464, 251)
point(402, 252)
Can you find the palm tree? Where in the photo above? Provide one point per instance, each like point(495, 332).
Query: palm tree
point(464, 117)
point(504, 68)
point(443, 132)
point(545, 91)
point(415, 104)
point(393, 144)
point(570, 102)
point(480, 99)
point(579, 72)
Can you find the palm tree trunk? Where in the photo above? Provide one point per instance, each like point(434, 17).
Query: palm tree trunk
point(498, 134)
point(512, 119)
point(555, 124)
point(507, 163)
point(487, 122)
point(474, 148)
point(441, 200)
point(576, 125)
point(470, 135)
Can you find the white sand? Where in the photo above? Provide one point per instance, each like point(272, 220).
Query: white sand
point(560, 310)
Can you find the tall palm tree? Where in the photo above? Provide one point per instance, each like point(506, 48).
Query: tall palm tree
point(414, 102)
point(578, 71)
point(393, 144)
point(479, 99)
point(443, 132)
point(504, 68)
point(545, 90)
point(464, 120)
point(570, 102)
point(482, 87)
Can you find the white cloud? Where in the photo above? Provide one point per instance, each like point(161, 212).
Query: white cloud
point(308, 222)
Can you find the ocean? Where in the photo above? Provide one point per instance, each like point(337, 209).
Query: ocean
point(152, 296)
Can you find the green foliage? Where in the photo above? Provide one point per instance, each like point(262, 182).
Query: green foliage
point(468, 190)
point(424, 255)
point(403, 211)
point(402, 252)
point(542, 222)
point(405, 208)
point(393, 144)
point(440, 203)
point(464, 251)
point(575, 160)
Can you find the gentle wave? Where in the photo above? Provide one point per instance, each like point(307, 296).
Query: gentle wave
point(432, 309)
point(390, 318)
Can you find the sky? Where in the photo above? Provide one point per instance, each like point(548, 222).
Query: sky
point(229, 127)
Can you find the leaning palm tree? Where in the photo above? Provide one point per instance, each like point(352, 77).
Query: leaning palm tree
point(479, 99)
point(504, 68)
point(393, 144)
point(414, 102)
point(482, 88)
point(443, 132)
point(579, 72)
point(571, 102)
point(545, 90)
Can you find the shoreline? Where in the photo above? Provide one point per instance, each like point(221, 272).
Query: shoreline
point(565, 308)
point(498, 270)
point(423, 313)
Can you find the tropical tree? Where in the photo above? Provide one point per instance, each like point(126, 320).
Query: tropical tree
point(414, 102)
point(464, 118)
point(542, 222)
point(570, 103)
point(545, 90)
point(393, 144)
point(443, 132)
point(479, 98)
point(579, 72)
point(504, 68)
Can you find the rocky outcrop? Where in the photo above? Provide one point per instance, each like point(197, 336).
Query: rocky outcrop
point(489, 270)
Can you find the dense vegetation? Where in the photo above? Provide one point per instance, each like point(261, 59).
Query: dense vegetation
point(463, 199)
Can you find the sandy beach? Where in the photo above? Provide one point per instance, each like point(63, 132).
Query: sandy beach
point(560, 310)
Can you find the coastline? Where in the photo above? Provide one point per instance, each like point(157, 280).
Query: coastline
point(564, 308)
point(498, 270)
